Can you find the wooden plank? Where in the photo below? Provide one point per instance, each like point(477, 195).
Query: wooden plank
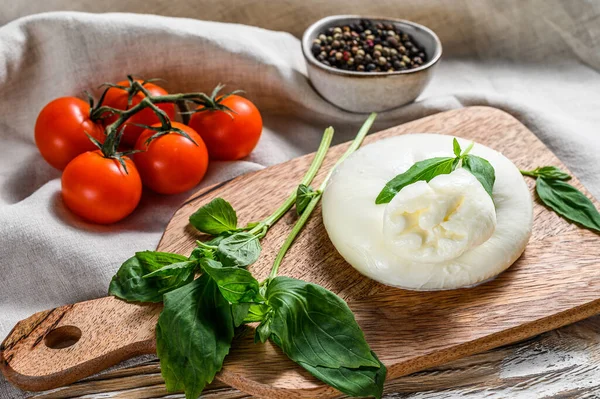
point(563, 363)
point(555, 282)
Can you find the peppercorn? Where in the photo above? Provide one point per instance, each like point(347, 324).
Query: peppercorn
point(368, 46)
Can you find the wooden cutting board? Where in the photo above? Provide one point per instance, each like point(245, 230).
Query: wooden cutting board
point(556, 282)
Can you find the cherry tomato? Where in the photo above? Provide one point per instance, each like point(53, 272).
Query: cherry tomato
point(60, 130)
point(229, 137)
point(117, 98)
point(172, 163)
point(99, 190)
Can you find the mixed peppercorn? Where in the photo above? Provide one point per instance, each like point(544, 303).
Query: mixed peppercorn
point(368, 47)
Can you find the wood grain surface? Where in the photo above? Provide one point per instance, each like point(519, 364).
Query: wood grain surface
point(556, 282)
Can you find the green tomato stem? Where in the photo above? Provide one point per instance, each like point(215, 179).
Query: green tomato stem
point(307, 179)
point(315, 200)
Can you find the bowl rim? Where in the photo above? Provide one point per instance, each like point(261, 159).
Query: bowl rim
point(310, 58)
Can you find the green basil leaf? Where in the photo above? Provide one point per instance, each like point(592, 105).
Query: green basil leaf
point(304, 194)
point(422, 170)
point(358, 382)
point(239, 250)
point(193, 336)
point(239, 312)
point(455, 163)
point(236, 285)
point(482, 170)
point(568, 202)
point(257, 312)
point(201, 253)
point(187, 266)
point(550, 173)
point(173, 276)
point(315, 326)
point(216, 217)
point(456, 147)
point(128, 283)
point(263, 331)
point(154, 260)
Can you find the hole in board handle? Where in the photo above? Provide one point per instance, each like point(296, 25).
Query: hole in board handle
point(62, 337)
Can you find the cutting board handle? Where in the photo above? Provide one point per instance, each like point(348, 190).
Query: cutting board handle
point(60, 346)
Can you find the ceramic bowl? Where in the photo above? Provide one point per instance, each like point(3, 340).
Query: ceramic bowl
point(371, 91)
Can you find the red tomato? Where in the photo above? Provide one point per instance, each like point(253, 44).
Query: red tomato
point(60, 130)
point(172, 163)
point(117, 98)
point(229, 137)
point(99, 190)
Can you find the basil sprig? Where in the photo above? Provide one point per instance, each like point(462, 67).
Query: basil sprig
point(564, 199)
point(429, 168)
point(312, 325)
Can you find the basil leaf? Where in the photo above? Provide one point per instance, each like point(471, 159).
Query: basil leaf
point(193, 336)
point(154, 260)
point(239, 250)
point(482, 170)
point(422, 170)
point(239, 311)
point(359, 382)
point(549, 173)
point(236, 285)
point(263, 331)
point(128, 283)
point(456, 147)
point(568, 202)
point(216, 217)
point(257, 312)
point(173, 276)
point(315, 326)
point(304, 194)
point(201, 253)
point(187, 266)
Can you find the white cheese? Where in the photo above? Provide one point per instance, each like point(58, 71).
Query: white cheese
point(443, 234)
point(440, 220)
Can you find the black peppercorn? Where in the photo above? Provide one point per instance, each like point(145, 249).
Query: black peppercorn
point(367, 46)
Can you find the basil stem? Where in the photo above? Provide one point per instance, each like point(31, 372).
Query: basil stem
point(315, 200)
point(307, 179)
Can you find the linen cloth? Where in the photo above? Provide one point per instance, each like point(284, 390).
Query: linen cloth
point(537, 60)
